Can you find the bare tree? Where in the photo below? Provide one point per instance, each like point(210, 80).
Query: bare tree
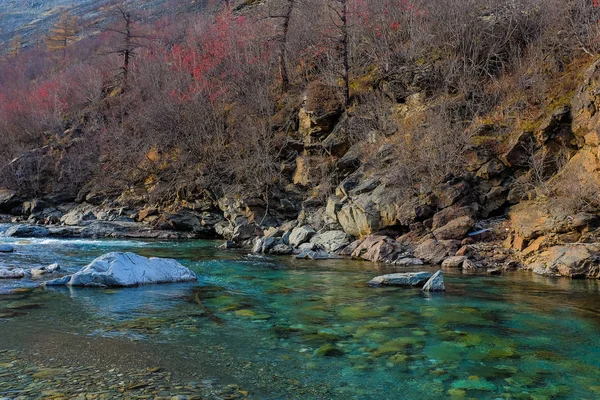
point(339, 9)
point(282, 38)
point(128, 41)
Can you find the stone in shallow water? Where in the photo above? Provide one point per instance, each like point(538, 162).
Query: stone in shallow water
point(50, 269)
point(401, 279)
point(435, 283)
point(127, 269)
point(12, 273)
point(316, 255)
point(26, 231)
point(4, 248)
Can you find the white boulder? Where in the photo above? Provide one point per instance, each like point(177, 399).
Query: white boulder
point(127, 269)
point(12, 273)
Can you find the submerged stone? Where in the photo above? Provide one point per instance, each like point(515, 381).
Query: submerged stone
point(245, 313)
point(328, 350)
point(474, 383)
point(5, 248)
point(397, 345)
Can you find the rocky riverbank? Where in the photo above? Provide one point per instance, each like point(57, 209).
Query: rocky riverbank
point(530, 237)
point(491, 217)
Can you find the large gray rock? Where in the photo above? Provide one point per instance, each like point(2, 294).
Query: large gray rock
point(301, 234)
point(435, 283)
point(265, 244)
point(282, 249)
point(127, 269)
point(78, 215)
point(26, 231)
point(12, 273)
point(332, 241)
point(5, 248)
point(401, 279)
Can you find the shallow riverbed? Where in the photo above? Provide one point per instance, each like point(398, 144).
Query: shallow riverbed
point(280, 328)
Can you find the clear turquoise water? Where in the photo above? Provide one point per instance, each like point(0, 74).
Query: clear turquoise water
point(290, 329)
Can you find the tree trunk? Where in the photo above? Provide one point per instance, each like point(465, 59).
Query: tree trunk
point(345, 51)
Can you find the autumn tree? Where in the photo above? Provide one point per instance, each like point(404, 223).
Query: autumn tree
point(63, 33)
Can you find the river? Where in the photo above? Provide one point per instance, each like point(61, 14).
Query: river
point(274, 328)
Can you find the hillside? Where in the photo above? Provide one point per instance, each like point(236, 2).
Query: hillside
point(391, 131)
point(32, 19)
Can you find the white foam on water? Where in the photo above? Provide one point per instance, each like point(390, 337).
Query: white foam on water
point(77, 242)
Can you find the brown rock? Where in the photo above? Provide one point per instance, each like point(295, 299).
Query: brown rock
point(491, 169)
point(534, 246)
point(449, 194)
point(574, 261)
point(463, 251)
point(302, 173)
point(433, 251)
point(146, 212)
point(455, 229)
point(443, 217)
point(516, 153)
point(378, 248)
point(453, 262)
point(469, 265)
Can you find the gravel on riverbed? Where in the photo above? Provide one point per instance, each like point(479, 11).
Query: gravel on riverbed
point(21, 380)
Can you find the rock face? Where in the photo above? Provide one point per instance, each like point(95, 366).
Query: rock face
point(401, 279)
point(26, 231)
point(573, 261)
point(127, 269)
point(435, 283)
